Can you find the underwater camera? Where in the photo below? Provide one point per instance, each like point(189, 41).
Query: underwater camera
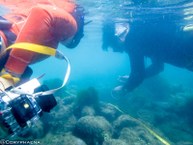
point(22, 106)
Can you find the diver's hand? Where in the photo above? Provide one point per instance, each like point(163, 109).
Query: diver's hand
point(5, 83)
point(123, 79)
point(7, 80)
point(119, 92)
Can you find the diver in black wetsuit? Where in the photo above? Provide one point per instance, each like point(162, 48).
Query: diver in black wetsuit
point(163, 41)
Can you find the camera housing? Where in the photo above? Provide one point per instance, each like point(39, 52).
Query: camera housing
point(20, 108)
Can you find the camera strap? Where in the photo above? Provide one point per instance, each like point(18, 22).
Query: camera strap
point(45, 50)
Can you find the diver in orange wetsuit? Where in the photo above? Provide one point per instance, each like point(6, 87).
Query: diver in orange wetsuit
point(42, 22)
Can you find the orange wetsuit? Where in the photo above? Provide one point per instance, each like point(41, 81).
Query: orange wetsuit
point(44, 22)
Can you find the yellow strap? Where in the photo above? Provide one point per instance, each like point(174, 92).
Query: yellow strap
point(30, 47)
point(10, 77)
point(156, 135)
point(42, 50)
point(34, 47)
point(146, 127)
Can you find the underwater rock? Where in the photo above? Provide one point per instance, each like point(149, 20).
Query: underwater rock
point(37, 131)
point(63, 126)
point(146, 115)
point(177, 88)
point(88, 97)
point(70, 140)
point(115, 142)
point(138, 136)
point(124, 121)
point(184, 143)
point(61, 119)
point(131, 137)
point(62, 139)
point(88, 111)
point(109, 111)
point(93, 129)
point(62, 111)
point(68, 100)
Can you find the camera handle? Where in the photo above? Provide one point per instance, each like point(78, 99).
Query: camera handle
point(58, 55)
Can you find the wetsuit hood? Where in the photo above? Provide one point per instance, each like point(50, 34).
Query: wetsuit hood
point(114, 35)
point(78, 15)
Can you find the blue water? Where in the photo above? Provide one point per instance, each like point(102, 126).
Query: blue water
point(88, 59)
point(91, 66)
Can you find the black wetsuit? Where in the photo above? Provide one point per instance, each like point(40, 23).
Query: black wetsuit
point(162, 41)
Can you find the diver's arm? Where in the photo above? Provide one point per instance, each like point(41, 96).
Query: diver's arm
point(137, 74)
point(155, 68)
